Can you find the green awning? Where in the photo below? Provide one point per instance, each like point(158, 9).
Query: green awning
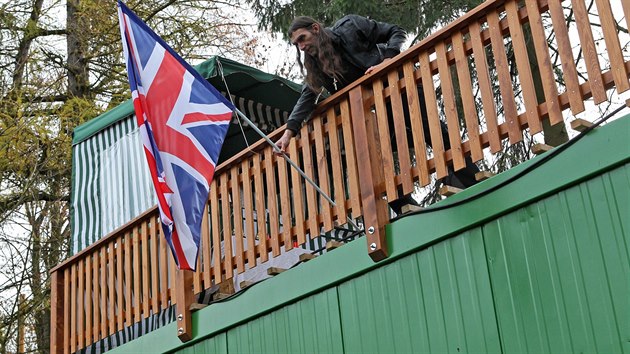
point(243, 81)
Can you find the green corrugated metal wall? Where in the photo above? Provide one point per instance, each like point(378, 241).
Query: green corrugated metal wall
point(550, 277)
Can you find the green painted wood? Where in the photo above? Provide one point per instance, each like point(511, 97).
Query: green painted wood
point(560, 270)
point(437, 300)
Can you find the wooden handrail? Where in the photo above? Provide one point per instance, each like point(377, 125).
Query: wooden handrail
point(358, 147)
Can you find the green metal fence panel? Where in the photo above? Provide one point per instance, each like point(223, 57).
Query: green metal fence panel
point(311, 325)
point(214, 345)
point(560, 270)
point(437, 300)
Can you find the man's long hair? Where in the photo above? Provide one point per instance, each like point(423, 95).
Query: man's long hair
point(328, 61)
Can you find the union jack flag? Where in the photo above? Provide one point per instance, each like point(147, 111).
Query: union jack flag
point(183, 121)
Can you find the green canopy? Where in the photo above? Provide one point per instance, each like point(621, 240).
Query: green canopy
point(243, 81)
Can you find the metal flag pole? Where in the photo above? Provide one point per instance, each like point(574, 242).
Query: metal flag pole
point(297, 168)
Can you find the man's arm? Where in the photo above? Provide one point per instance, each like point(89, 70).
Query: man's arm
point(301, 112)
point(387, 37)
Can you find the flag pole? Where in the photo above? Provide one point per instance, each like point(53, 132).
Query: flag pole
point(297, 168)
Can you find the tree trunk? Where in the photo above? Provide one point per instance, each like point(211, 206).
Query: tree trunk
point(76, 26)
point(25, 44)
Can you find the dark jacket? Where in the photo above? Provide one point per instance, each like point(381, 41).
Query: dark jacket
point(363, 43)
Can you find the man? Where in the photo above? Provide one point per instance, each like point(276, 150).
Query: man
point(335, 57)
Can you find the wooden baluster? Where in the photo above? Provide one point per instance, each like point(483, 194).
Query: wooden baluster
point(539, 40)
point(350, 147)
point(417, 128)
point(375, 210)
point(524, 68)
point(57, 313)
point(103, 286)
point(111, 284)
point(120, 286)
point(437, 144)
point(97, 293)
point(206, 242)
point(613, 48)
point(226, 210)
point(248, 200)
point(404, 160)
point(298, 199)
point(164, 263)
point(216, 233)
point(487, 95)
point(259, 196)
point(155, 265)
point(337, 167)
point(505, 80)
point(626, 12)
point(285, 203)
point(238, 218)
point(88, 300)
point(272, 202)
point(73, 308)
point(468, 101)
point(322, 172)
point(67, 312)
point(384, 139)
point(80, 302)
point(587, 44)
point(128, 279)
point(137, 280)
point(311, 196)
point(144, 250)
point(569, 72)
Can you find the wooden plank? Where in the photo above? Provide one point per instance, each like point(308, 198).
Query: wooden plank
point(448, 191)
point(297, 183)
point(272, 203)
point(275, 271)
point(385, 141)
point(226, 226)
point(613, 48)
point(155, 265)
point(216, 233)
point(104, 291)
point(95, 297)
point(404, 160)
point(539, 40)
point(184, 296)
point(136, 275)
point(120, 290)
point(322, 173)
point(626, 12)
point(66, 310)
point(351, 161)
point(569, 72)
point(538, 149)
point(249, 214)
point(450, 107)
point(505, 80)
point(332, 244)
point(89, 285)
point(483, 175)
point(237, 210)
point(337, 169)
point(580, 124)
point(259, 197)
point(57, 315)
point(468, 101)
point(206, 242)
point(144, 249)
point(128, 279)
point(73, 307)
point(437, 144)
point(80, 302)
point(485, 88)
point(417, 128)
point(311, 194)
point(524, 68)
point(285, 203)
point(587, 44)
point(305, 257)
point(111, 285)
point(164, 258)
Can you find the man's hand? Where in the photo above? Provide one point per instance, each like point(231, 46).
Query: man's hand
point(283, 142)
point(373, 68)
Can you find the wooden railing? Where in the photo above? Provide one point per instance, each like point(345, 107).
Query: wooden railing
point(348, 149)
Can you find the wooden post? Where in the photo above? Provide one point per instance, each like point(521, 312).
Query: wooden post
point(184, 296)
point(56, 311)
point(375, 210)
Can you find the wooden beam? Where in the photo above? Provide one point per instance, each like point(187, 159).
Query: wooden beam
point(483, 175)
point(541, 148)
point(580, 124)
point(184, 295)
